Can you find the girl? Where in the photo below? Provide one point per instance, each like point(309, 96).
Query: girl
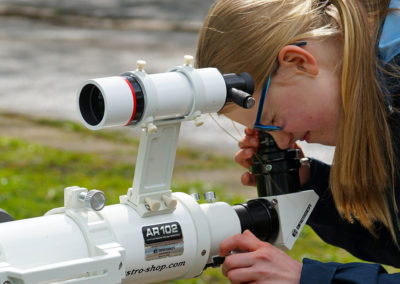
point(328, 72)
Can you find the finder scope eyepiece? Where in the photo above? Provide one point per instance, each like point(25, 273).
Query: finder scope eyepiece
point(136, 98)
point(240, 88)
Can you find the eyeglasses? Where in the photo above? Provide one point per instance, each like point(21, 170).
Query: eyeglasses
point(257, 124)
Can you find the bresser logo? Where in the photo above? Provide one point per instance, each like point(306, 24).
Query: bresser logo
point(296, 230)
point(154, 268)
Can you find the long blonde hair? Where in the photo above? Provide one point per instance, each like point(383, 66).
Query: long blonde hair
point(247, 35)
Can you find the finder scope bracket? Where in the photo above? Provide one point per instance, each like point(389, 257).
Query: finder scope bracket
point(158, 103)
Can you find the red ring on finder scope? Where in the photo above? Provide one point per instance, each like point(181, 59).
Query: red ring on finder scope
point(134, 100)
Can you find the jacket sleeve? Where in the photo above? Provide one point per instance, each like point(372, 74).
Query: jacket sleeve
point(337, 273)
point(326, 221)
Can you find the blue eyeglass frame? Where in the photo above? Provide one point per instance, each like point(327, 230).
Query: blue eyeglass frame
point(257, 124)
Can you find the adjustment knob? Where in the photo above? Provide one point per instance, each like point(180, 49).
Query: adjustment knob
point(152, 204)
point(209, 196)
point(198, 121)
point(188, 60)
point(169, 201)
point(141, 64)
point(94, 199)
point(195, 196)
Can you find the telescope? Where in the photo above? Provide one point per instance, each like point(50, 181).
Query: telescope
point(153, 234)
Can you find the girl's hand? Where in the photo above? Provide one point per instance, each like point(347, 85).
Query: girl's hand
point(261, 263)
point(248, 147)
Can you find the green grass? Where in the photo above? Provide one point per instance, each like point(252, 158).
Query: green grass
point(33, 177)
point(189, 159)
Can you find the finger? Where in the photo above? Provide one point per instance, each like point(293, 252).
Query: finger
point(242, 242)
point(248, 141)
point(241, 275)
point(249, 179)
point(243, 157)
point(237, 260)
point(250, 131)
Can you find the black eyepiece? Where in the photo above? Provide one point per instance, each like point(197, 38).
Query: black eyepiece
point(91, 104)
point(240, 88)
point(276, 170)
point(241, 98)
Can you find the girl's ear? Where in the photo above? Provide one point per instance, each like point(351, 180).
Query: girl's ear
point(301, 59)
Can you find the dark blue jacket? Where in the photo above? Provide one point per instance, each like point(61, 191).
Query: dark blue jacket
point(331, 227)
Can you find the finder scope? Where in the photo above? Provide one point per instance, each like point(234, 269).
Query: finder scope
point(136, 98)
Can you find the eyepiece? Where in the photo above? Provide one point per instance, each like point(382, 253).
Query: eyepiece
point(91, 104)
point(276, 170)
point(241, 98)
point(240, 88)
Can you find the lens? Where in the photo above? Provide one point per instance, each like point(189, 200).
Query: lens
point(91, 104)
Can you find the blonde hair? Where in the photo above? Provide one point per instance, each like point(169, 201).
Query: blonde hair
point(247, 35)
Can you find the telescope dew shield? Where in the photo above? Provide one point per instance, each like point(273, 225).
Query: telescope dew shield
point(110, 101)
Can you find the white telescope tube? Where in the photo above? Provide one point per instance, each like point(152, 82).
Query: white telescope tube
point(156, 248)
point(114, 245)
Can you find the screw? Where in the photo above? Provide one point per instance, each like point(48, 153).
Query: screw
point(195, 196)
point(209, 196)
point(151, 128)
point(268, 167)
